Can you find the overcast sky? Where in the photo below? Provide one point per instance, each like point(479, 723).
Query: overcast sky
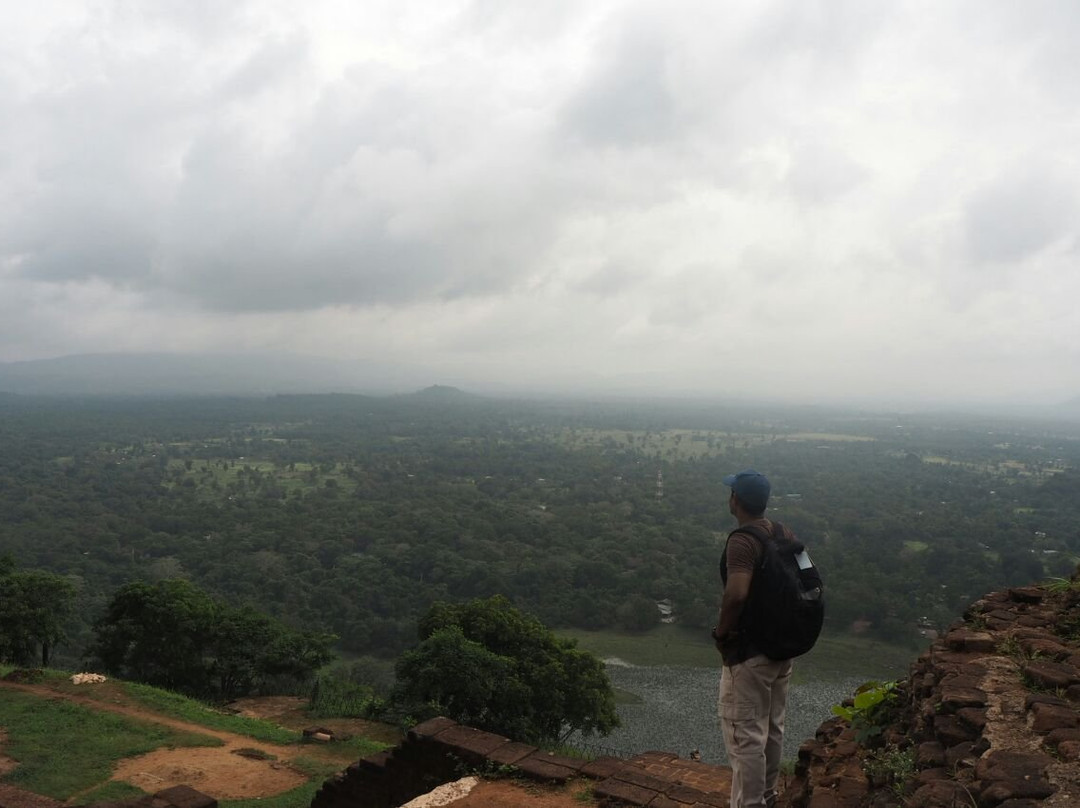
point(811, 200)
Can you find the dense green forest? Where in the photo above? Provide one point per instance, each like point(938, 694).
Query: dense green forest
point(352, 515)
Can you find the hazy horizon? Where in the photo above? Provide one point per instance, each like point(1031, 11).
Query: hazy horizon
point(812, 203)
point(260, 375)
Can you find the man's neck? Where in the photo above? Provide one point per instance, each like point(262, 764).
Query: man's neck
point(746, 518)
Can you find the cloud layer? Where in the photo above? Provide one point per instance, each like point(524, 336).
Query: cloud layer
point(808, 200)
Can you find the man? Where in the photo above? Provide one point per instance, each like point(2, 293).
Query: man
point(753, 688)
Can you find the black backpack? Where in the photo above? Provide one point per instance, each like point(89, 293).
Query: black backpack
point(785, 610)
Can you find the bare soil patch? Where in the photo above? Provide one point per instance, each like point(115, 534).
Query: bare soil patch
point(6, 763)
point(218, 772)
point(290, 712)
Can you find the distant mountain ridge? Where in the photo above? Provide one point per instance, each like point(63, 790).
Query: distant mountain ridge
point(160, 374)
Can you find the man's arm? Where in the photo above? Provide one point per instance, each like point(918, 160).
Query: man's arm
point(736, 591)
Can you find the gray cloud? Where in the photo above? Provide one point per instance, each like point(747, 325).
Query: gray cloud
point(628, 100)
point(1015, 216)
point(823, 173)
point(528, 187)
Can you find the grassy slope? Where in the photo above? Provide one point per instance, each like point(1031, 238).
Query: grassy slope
point(41, 731)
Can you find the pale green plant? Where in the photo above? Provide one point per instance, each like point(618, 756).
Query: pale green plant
point(867, 713)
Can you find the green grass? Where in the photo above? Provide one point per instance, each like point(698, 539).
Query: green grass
point(43, 731)
point(359, 746)
point(836, 656)
point(301, 796)
point(177, 706)
point(114, 790)
point(303, 477)
point(842, 656)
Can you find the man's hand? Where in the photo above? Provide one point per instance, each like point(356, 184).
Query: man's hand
point(722, 639)
point(719, 638)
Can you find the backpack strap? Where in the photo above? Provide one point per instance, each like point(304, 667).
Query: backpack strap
point(763, 536)
point(778, 536)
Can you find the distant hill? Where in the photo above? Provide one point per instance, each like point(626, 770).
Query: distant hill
point(442, 392)
point(197, 375)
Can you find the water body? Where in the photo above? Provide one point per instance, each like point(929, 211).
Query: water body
point(678, 711)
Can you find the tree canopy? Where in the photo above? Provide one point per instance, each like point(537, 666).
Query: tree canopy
point(489, 665)
point(174, 635)
point(33, 608)
point(354, 514)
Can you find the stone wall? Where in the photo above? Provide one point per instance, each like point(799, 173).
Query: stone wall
point(989, 718)
point(440, 750)
point(436, 752)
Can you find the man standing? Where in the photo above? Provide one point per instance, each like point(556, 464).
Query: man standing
point(753, 688)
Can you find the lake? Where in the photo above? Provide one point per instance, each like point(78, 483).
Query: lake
point(678, 711)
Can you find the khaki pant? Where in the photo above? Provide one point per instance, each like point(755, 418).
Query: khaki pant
point(753, 701)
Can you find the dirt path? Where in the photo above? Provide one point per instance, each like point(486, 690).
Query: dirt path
point(222, 773)
point(216, 771)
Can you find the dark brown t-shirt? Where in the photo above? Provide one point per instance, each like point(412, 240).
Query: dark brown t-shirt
point(744, 552)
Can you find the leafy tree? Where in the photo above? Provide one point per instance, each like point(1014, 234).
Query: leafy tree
point(158, 634)
point(638, 613)
point(491, 666)
point(33, 608)
point(174, 635)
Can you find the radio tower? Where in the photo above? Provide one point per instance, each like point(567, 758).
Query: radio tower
point(659, 484)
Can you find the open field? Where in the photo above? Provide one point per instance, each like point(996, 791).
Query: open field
point(828, 437)
point(221, 475)
point(835, 657)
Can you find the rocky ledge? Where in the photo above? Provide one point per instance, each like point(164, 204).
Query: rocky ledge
point(988, 718)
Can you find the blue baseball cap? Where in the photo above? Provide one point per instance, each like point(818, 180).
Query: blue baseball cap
point(751, 488)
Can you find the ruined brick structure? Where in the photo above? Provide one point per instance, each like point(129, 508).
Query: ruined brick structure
point(441, 750)
point(990, 714)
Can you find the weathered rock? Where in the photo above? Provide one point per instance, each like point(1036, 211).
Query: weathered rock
point(973, 717)
point(1056, 736)
point(939, 794)
point(950, 730)
point(1016, 789)
point(958, 755)
point(954, 698)
point(1033, 620)
point(1052, 675)
point(930, 754)
point(1045, 648)
point(930, 775)
point(1051, 716)
point(1043, 698)
point(1012, 766)
point(1027, 594)
point(1069, 751)
point(964, 639)
point(1029, 633)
